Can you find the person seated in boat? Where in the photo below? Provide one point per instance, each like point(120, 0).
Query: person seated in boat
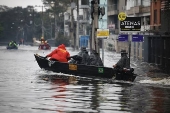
point(44, 46)
point(95, 59)
point(42, 40)
point(59, 54)
point(123, 63)
point(21, 42)
point(81, 58)
point(12, 44)
point(85, 56)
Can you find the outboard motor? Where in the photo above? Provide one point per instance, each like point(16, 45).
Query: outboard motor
point(124, 74)
point(131, 70)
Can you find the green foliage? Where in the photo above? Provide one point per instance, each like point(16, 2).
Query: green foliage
point(57, 6)
point(61, 39)
point(1, 29)
point(26, 22)
point(19, 23)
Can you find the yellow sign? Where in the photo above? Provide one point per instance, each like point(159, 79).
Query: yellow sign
point(72, 67)
point(122, 16)
point(102, 33)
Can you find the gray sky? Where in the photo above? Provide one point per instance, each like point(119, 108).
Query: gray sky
point(23, 3)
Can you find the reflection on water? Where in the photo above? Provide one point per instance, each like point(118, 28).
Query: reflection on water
point(87, 95)
point(24, 88)
point(93, 95)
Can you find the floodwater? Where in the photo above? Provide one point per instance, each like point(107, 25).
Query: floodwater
point(25, 88)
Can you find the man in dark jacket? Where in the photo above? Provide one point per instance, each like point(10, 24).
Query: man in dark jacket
point(95, 59)
point(12, 44)
point(123, 62)
point(84, 55)
point(81, 58)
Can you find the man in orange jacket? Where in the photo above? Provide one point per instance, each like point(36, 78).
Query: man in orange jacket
point(60, 54)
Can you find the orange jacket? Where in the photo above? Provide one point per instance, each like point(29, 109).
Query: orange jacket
point(60, 54)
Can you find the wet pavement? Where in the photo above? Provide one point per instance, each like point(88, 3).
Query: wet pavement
point(24, 87)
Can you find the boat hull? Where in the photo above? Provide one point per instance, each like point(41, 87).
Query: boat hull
point(44, 47)
point(81, 70)
point(9, 47)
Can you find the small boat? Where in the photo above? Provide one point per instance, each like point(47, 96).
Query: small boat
point(11, 47)
point(45, 46)
point(84, 70)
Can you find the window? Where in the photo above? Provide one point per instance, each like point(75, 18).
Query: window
point(155, 16)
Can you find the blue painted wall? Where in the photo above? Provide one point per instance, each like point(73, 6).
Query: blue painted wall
point(84, 41)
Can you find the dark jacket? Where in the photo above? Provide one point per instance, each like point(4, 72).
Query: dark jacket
point(85, 56)
point(95, 59)
point(123, 62)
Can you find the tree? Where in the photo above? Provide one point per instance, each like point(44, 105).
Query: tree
point(57, 7)
point(1, 29)
point(62, 40)
point(16, 23)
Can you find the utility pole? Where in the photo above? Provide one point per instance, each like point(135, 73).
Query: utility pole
point(51, 30)
point(33, 23)
point(42, 20)
point(42, 23)
point(73, 39)
point(55, 26)
point(77, 36)
point(52, 3)
point(95, 16)
point(72, 30)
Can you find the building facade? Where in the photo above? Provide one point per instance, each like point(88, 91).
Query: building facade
point(132, 8)
point(113, 9)
point(165, 17)
point(139, 8)
point(70, 17)
point(155, 17)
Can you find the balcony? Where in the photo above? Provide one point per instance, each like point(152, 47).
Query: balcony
point(138, 9)
point(112, 10)
point(145, 9)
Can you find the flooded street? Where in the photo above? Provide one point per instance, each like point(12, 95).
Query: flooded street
point(25, 88)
